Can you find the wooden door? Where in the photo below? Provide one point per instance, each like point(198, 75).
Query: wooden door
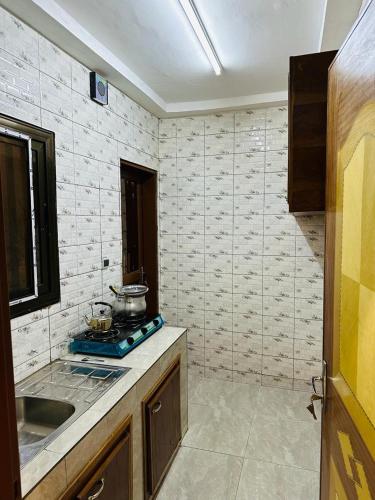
point(163, 429)
point(139, 229)
point(348, 442)
point(10, 484)
point(112, 480)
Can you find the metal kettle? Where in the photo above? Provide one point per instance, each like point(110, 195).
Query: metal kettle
point(130, 300)
point(100, 322)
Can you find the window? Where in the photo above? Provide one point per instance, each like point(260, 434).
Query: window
point(28, 185)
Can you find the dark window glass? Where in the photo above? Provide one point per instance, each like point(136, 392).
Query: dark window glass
point(20, 195)
point(15, 176)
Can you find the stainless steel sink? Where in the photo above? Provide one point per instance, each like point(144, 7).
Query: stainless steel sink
point(38, 417)
point(51, 399)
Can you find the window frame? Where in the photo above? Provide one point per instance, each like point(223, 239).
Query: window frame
point(42, 142)
point(10, 136)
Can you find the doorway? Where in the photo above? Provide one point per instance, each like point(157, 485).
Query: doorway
point(139, 229)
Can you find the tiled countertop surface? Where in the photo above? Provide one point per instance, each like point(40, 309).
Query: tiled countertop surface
point(139, 360)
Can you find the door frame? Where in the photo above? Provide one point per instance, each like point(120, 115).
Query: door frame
point(10, 482)
point(335, 415)
point(149, 214)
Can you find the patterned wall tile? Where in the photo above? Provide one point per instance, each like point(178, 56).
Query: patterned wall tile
point(224, 222)
point(54, 62)
point(221, 123)
point(277, 117)
point(18, 108)
point(262, 266)
point(41, 84)
point(189, 126)
point(18, 39)
point(18, 78)
point(219, 144)
point(252, 119)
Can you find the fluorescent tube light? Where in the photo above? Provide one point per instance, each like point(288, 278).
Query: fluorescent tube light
point(198, 26)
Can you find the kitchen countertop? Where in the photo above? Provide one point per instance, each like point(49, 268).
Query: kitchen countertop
point(139, 360)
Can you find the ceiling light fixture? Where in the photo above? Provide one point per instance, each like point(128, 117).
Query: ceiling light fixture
point(202, 35)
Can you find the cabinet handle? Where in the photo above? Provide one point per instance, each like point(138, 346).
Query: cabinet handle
point(157, 407)
point(100, 490)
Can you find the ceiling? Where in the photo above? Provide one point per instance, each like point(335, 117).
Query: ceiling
point(253, 40)
point(148, 48)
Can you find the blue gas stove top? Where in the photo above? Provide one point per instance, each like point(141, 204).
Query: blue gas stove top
point(121, 339)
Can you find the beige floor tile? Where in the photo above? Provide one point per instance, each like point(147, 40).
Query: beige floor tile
point(283, 449)
point(201, 475)
point(267, 481)
point(241, 398)
point(285, 404)
point(218, 429)
point(285, 442)
point(193, 382)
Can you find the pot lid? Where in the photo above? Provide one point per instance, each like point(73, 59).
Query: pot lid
point(133, 290)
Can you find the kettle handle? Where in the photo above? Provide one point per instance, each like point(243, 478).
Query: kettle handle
point(103, 304)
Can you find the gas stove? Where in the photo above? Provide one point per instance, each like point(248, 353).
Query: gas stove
point(123, 337)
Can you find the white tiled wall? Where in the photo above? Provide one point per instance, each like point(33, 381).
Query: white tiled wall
point(41, 84)
point(236, 267)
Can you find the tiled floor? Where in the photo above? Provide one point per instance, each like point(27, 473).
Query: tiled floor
point(245, 443)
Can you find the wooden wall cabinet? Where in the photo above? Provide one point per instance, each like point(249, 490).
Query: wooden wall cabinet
point(308, 83)
point(162, 426)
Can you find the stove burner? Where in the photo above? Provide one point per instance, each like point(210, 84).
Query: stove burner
point(103, 336)
point(121, 321)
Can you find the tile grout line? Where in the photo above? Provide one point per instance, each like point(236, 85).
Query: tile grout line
point(211, 451)
point(233, 195)
point(263, 209)
point(247, 442)
point(204, 246)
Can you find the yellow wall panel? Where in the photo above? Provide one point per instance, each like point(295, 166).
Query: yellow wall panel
point(368, 215)
point(349, 330)
point(366, 352)
point(352, 211)
point(353, 363)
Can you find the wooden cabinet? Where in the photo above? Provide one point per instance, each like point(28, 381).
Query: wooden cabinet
point(308, 81)
point(112, 480)
point(109, 475)
point(162, 425)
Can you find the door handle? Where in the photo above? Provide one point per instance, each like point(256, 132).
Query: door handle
point(157, 407)
point(311, 407)
point(99, 492)
point(314, 380)
point(315, 395)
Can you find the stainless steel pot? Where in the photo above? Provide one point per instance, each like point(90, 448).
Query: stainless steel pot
point(130, 300)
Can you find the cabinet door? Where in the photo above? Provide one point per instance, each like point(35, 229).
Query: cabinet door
point(163, 428)
point(308, 77)
point(112, 480)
